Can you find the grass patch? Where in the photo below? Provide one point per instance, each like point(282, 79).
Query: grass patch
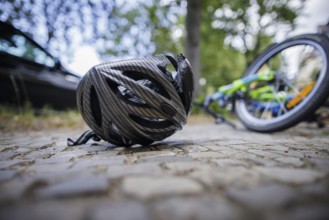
point(30, 119)
point(27, 118)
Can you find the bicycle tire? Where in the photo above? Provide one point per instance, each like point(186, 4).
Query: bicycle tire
point(308, 105)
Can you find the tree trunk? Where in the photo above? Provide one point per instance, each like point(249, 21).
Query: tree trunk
point(192, 40)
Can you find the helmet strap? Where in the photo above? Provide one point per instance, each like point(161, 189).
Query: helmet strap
point(84, 138)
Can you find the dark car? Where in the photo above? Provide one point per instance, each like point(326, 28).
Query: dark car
point(28, 73)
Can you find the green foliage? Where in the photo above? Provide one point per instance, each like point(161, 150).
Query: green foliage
point(233, 32)
point(251, 24)
point(145, 28)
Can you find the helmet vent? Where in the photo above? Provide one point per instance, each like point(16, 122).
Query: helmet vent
point(125, 94)
point(95, 107)
point(151, 122)
point(147, 81)
point(131, 96)
point(114, 133)
point(173, 62)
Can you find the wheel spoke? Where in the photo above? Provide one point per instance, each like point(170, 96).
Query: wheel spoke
point(267, 106)
point(282, 107)
point(297, 62)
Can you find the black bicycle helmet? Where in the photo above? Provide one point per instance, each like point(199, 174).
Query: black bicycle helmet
point(136, 101)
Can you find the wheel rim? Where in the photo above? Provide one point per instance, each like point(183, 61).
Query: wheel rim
point(301, 62)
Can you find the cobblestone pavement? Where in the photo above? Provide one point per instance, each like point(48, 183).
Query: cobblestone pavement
point(205, 171)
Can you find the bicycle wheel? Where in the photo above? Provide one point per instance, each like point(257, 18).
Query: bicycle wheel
point(299, 87)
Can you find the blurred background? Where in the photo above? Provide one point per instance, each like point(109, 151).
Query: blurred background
point(220, 38)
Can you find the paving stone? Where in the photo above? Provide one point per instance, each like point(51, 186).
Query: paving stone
point(264, 153)
point(7, 174)
point(264, 162)
point(228, 176)
point(205, 155)
point(291, 175)
point(205, 171)
point(194, 148)
point(96, 162)
point(316, 154)
point(263, 197)
point(133, 169)
point(4, 149)
point(120, 210)
point(76, 186)
point(243, 155)
point(58, 175)
point(54, 160)
point(150, 154)
point(197, 208)
point(71, 154)
point(306, 212)
point(111, 153)
point(186, 167)
point(321, 164)
point(96, 147)
point(43, 153)
point(229, 162)
point(320, 146)
point(23, 150)
point(291, 161)
point(256, 146)
point(15, 189)
point(147, 187)
point(316, 189)
point(240, 147)
point(235, 142)
point(291, 153)
point(9, 164)
point(227, 151)
point(276, 148)
point(173, 149)
point(48, 168)
point(50, 210)
point(164, 159)
point(219, 148)
point(21, 140)
point(295, 145)
point(8, 155)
